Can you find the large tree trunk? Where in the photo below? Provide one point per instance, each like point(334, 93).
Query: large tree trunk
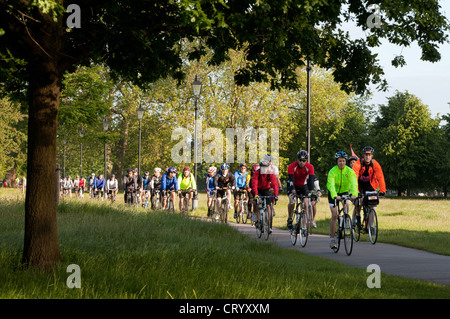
point(41, 246)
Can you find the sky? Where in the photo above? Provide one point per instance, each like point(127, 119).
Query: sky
point(429, 81)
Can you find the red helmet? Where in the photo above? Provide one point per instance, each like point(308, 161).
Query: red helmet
point(186, 169)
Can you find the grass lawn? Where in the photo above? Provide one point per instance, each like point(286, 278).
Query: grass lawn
point(130, 253)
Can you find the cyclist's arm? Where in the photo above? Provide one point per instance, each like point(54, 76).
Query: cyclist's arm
point(380, 176)
point(255, 182)
point(353, 183)
point(331, 184)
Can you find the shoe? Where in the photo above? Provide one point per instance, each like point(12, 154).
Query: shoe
point(333, 243)
point(289, 223)
point(270, 230)
point(313, 224)
point(209, 212)
point(235, 214)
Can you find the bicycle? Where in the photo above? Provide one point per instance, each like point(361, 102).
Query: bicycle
point(223, 207)
point(156, 200)
point(170, 205)
point(146, 199)
point(242, 206)
point(111, 195)
point(344, 229)
point(184, 201)
point(130, 197)
point(266, 216)
point(302, 227)
point(369, 224)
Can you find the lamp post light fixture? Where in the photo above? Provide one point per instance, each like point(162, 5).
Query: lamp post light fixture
point(140, 115)
point(196, 88)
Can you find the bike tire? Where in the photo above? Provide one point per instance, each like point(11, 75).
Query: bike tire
point(348, 234)
point(372, 227)
point(244, 216)
point(356, 230)
point(337, 237)
point(266, 223)
point(295, 230)
point(303, 229)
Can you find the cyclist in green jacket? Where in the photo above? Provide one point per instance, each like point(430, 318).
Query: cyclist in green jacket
point(341, 181)
point(186, 183)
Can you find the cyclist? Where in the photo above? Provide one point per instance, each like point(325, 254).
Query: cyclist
point(129, 184)
point(99, 185)
point(300, 182)
point(186, 181)
point(370, 176)
point(155, 183)
point(68, 185)
point(91, 185)
point(82, 183)
point(262, 181)
point(112, 186)
point(242, 178)
point(210, 187)
point(352, 160)
point(274, 169)
point(341, 181)
point(169, 183)
point(146, 184)
point(138, 189)
point(251, 195)
point(224, 179)
point(314, 201)
point(76, 185)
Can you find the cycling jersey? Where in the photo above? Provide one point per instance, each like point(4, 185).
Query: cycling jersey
point(264, 179)
point(156, 182)
point(210, 183)
point(146, 183)
point(129, 183)
point(99, 183)
point(242, 180)
point(224, 181)
point(111, 184)
point(299, 175)
point(369, 175)
point(186, 182)
point(341, 180)
point(169, 184)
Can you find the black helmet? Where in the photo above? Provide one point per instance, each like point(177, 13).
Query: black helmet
point(368, 149)
point(302, 154)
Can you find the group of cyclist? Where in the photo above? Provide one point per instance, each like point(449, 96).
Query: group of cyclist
point(349, 176)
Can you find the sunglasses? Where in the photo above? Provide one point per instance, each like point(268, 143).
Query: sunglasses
point(302, 160)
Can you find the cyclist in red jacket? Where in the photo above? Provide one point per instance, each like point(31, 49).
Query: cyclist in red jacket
point(262, 181)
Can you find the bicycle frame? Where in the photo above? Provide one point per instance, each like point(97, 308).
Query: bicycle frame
point(344, 229)
point(265, 223)
point(302, 226)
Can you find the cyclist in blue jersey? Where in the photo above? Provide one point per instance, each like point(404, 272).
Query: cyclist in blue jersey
point(146, 183)
point(210, 187)
point(242, 178)
point(99, 185)
point(169, 183)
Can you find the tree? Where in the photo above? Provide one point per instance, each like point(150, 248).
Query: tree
point(140, 41)
point(406, 143)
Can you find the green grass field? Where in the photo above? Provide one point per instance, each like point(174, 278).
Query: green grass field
point(132, 253)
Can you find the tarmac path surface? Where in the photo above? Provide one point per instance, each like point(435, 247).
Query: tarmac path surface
point(392, 259)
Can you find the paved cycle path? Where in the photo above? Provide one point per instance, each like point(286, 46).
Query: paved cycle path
point(392, 259)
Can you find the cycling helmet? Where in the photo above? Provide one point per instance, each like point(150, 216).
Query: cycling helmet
point(172, 170)
point(353, 158)
point(340, 154)
point(268, 158)
point(302, 154)
point(243, 165)
point(224, 166)
point(186, 169)
point(157, 169)
point(128, 170)
point(368, 149)
point(113, 175)
point(264, 163)
point(212, 169)
point(93, 174)
point(146, 173)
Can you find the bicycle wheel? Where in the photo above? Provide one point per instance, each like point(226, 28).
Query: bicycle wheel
point(224, 211)
point(244, 212)
point(337, 237)
point(372, 226)
point(303, 231)
point(295, 230)
point(259, 226)
point(267, 223)
point(356, 230)
point(238, 214)
point(348, 234)
point(185, 206)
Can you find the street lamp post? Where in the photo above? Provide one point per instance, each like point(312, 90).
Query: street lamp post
point(81, 152)
point(105, 128)
point(196, 88)
point(308, 110)
point(140, 115)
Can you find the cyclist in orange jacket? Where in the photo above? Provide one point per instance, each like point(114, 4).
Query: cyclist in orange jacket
point(369, 175)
